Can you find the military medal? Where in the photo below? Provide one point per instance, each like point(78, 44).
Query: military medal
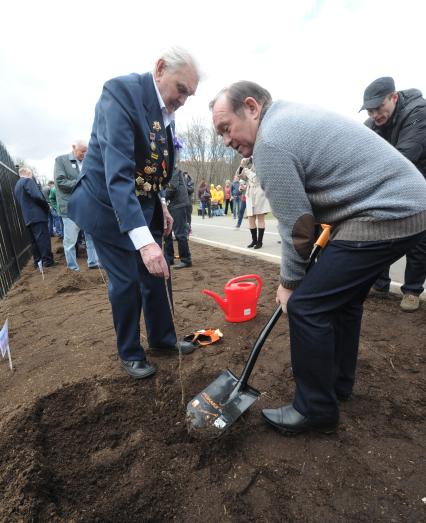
point(162, 140)
point(154, 156)
point(147, 186)
point(165, 153)
point(152, 136)
point(156, 126)
point(140, 180)
point(147, 170)
point(152, 145)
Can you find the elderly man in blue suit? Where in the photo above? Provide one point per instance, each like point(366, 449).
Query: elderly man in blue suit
point(35, 211)
point(117, 200)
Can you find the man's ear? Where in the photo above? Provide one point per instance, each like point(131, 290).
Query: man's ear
point(160, 66)
point(252, 107)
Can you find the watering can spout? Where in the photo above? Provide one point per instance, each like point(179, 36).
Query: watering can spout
point(222, 303)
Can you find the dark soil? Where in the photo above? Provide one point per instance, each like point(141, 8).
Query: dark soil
point(80, 441)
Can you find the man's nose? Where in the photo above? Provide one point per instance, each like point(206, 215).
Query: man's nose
point(226, 140)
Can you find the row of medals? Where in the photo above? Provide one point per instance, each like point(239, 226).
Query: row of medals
point(143, 185)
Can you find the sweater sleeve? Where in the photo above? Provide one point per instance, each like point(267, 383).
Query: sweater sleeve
point(283, 179)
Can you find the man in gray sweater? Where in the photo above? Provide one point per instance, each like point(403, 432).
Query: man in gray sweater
point(319, 167)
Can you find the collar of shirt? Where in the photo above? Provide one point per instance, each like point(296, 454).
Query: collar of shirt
point(168, 118)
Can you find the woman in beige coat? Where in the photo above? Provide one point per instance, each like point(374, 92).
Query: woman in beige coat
point(256, 202)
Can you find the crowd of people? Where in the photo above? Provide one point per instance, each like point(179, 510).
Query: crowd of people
point(307, 165)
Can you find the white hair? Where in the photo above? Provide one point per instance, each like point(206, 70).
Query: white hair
point(176, 57)
point(24, 171)
point(79, 143)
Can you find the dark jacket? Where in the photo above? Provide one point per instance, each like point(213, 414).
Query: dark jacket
point(406, 130)
point(33, 205)
point(130, 156)
point(177, 191)
point(204, 194)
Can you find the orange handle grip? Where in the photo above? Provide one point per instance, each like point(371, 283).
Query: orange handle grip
point(323, 238)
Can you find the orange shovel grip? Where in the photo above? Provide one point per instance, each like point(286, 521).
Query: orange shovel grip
point(323, 238)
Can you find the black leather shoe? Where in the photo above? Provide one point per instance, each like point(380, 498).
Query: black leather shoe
point(289, 421)
point(94, 267)
point(183, 347)
point(183, 265)
point(137, 369)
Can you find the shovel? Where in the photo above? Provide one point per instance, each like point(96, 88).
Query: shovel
point(222, 402)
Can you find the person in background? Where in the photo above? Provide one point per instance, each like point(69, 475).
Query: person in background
point(35, 211)
point(316, 166)
point(243, 202)
point(176, 195)
point(45, 191)
point(235, 196)
point(190, 188)
point(204, 197)
point(256, 204)
point(399, 117)
point(66, 173)
point(117, 200)
point(228, 197)
point(57, 220)
point(220, 197)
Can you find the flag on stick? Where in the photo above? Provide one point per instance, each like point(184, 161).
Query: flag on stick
point(4, 343)
point(40, 267)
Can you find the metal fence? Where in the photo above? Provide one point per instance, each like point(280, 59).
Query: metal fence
point(15, 245)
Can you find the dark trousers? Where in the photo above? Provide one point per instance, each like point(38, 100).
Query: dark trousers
point(131, 289)
point(40, 243)
point(325, 314)
point(415, 272)
point(181, 231)
point(228, 203)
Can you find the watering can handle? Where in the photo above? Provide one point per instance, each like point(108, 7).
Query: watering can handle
point(248, 277)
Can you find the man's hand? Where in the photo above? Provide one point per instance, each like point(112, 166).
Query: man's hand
point(154, 261)
point(283, 296)
point(168, 220)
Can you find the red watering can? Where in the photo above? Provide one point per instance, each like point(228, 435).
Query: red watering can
point(240, 298)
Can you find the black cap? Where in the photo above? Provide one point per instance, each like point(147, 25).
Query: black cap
point(375, 93)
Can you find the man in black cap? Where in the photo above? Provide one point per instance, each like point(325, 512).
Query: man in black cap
point(400, 118)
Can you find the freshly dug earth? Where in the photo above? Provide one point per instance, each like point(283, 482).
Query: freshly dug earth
point(81, 441)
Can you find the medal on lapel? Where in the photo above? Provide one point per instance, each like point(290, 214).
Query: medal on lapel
point(156, 126)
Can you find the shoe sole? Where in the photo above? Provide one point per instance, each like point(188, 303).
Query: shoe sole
point(294, 432)
point(138, 377)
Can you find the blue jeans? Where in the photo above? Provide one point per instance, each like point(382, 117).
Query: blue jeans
point(241, 213)
point(71, 230)
point(204, 206)
point(57, 223)
point(236, 206)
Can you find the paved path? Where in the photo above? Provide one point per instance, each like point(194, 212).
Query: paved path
point(220, 231)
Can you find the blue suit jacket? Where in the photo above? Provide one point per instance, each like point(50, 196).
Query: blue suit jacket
point(128, 135)
point(33, 205)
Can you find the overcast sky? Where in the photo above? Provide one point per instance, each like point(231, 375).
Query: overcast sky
point(56, 55)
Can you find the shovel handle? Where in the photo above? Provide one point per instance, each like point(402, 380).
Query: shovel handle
point(248, 367)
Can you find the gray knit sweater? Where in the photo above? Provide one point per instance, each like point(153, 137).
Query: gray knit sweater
point(318, 166)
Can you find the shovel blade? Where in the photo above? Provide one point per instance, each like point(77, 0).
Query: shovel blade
point(213, 410)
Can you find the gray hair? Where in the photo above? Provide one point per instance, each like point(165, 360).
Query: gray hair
point(175, 57)
point(24, 171)
point(237, 92)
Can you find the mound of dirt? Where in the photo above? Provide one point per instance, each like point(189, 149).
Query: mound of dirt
point(81, 441)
